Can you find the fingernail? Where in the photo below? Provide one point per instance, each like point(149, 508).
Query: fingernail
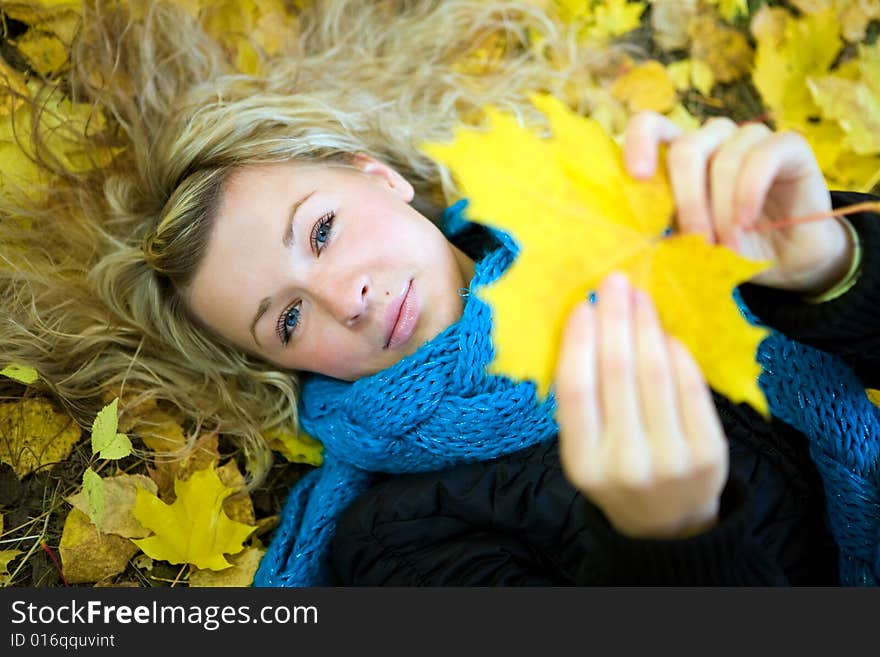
point(616, 281)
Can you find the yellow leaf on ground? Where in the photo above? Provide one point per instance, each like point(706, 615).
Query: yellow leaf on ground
point(855, 108)
point(6, 556)
point(33, 434)
point(204, 453)
point(46, 52)
point(194, 529)
point(119, 497)
point(874, 396)
point(669, 22)
point(295, 446)
point(731, 9)
point(87, 555)
point(612, 18)
point(609, 222)
point(854, 15)
point(724, 49)
point(244, 566)
point(646, 87)
point(806, 47)
point(238, 506)
point(13, 90)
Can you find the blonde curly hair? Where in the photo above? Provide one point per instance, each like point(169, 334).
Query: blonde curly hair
point(92, 268)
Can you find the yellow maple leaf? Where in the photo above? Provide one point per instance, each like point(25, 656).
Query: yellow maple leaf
point(854, 103)
point(33, 433)
point(577, 215)
point(194, 529)
point(786, 55)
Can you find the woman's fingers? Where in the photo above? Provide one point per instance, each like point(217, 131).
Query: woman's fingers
point(784, 159)
point(618, 391)
point(687, 163)
point(657, 391)
point(577, 399)
point(643, 135)
point(726, 167)
point(699, 417)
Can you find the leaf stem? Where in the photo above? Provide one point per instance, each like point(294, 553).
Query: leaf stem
point(816, 216)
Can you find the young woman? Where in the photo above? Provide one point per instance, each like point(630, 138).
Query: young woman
point(271, 249)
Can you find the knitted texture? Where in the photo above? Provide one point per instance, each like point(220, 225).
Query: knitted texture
point(821, 397)
point(437, 408)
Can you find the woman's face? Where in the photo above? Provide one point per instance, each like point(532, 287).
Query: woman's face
point(326, 269)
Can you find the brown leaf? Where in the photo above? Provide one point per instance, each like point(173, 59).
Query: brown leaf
point(119, 495)
point(87, 555)
point(244, 565)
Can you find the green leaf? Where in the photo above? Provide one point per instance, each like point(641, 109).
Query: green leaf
point(93, 488)
point(106, 442)
point(21, 373)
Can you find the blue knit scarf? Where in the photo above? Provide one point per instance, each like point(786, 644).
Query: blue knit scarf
point(437, 408)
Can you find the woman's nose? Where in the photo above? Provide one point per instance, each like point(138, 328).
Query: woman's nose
point(348, 301)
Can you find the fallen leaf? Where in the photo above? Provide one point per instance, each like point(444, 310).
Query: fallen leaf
point(730, 10)
point(540, 189)
point(295, 446)
point(6, 556)
point(106, 441)
point(646, 87)
point(20, 373)
point(244, 566)
point(119, 494)
point(194, 529)
point(34, 434)
point(807, 47)
point(46, 52)
point(238, 506)
point(669, 22)
point(93, 491)
point(855, 108)
point(159, 431)
point(874, 396)
point(88, 555)
point(724, 49)
point(13, 89)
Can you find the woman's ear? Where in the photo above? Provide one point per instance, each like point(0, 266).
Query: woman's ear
point(384, 174)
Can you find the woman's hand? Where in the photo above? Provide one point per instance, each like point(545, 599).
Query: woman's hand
point(639, 433)
point(727, 178)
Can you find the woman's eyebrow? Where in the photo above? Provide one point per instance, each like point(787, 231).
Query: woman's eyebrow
point(287, 241)
point(287, 238)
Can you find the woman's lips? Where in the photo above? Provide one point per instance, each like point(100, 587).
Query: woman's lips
point(401, 318)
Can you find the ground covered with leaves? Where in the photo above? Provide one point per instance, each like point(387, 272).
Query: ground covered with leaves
point(108, 507)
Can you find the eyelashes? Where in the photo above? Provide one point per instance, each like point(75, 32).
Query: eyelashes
point(319, 237)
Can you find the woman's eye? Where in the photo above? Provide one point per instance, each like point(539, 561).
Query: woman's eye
point(287, 322)
point(321, 231)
